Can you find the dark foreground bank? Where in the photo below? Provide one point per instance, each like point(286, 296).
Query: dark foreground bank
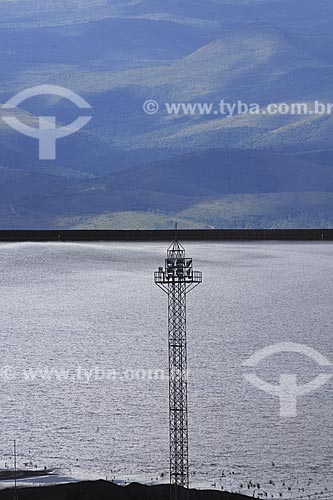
point(167, 235)
point(103, 490)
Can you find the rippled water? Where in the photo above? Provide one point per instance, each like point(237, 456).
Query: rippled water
point(93, 307)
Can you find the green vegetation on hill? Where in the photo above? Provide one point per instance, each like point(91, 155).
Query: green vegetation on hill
point(275, 211)
point(215, 188)
point(126, 220)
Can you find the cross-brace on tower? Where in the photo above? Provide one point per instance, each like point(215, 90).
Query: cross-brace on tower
point(177, 279)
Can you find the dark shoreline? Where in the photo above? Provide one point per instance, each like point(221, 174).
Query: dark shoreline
point(168, 235)
point(104, 490)
point(9, 475)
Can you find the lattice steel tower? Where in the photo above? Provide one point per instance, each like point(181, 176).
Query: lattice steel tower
point(177, 279)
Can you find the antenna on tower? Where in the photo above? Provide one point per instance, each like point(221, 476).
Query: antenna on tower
point(177, 279)
point(176, 229)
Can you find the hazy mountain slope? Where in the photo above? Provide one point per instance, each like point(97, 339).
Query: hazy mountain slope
point(82, 154)
point(21, 13)
point(127, 220)
point(217, 172)
point(25, 197)
point(197, 187)
point(285, 13)
point(258, 63)
point(236, 65)
point(299, 132)
point(108, 44)
point(291, 14)
point(321, 157)
point(279, 210)
point(119, 53)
